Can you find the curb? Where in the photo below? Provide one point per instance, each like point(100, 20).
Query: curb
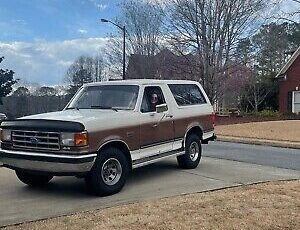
point(274, 143)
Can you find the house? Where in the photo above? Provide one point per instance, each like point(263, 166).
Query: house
point(289, 85)
point(164, 65)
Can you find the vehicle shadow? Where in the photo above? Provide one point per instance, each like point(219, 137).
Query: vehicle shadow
point(75, 187)
point(152, 171)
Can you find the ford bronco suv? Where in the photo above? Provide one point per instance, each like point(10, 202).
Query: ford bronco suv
point(108, 129)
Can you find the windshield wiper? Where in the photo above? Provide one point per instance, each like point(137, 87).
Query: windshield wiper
point(103, 107)
point(72, 108)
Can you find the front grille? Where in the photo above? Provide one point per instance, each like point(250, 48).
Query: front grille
point(36, 140)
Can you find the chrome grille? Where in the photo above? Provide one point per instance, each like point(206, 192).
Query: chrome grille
point(36, 140)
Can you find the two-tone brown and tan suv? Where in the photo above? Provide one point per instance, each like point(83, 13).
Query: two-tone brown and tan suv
point(108, 129)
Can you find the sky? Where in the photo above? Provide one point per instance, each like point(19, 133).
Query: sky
point(40, 39)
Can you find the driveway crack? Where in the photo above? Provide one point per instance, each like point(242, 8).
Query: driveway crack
point(212, 178)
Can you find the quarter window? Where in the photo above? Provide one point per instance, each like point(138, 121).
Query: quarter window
point(187, 94)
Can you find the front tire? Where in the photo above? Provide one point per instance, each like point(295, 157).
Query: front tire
point(109, 173)
point(33, 179)
point(193, 152)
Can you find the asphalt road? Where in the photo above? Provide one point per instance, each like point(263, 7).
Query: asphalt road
point(256, 154)
point(65, 195)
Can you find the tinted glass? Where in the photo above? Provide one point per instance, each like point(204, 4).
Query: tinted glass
point(187, 94)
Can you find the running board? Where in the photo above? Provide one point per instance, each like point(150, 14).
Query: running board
point(155, 158)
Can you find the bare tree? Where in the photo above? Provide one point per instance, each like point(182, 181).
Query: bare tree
point(239, 76)
point(291, 16)
point(143, 21)
point(85, 69)
point(211, 30)
point(256, 90)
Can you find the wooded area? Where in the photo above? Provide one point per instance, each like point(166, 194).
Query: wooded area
point(18, 106)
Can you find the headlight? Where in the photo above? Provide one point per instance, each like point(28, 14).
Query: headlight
point(74, 139)
point(5, 135)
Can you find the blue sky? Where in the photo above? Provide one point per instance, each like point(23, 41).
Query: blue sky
point(41, 38)
point(52, 20)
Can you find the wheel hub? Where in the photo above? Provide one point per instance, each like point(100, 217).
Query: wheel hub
point(111, 171)
point(194, 151)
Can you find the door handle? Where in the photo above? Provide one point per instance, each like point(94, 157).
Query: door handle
point(154, 126)
point(164, 116)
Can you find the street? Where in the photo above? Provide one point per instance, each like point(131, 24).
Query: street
point(222, 165)
point(255, 154)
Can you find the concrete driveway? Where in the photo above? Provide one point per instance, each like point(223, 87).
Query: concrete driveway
point(65, 195)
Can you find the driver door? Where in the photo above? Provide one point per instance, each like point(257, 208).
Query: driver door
point(156, 129)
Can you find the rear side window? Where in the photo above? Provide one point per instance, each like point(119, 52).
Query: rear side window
point(187, 94)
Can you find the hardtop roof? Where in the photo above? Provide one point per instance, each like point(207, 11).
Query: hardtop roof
point(140, 82)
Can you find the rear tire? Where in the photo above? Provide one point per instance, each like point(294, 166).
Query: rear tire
point(33, 179)
point(109, 173)
point(193, 151)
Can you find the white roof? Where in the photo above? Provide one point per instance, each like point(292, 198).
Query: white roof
point(141, 82)
point(289, 63)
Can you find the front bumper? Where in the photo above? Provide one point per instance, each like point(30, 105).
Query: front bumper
point(48, 163)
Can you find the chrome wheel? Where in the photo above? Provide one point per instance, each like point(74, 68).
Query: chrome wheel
point(194, 151)
point(111, 171)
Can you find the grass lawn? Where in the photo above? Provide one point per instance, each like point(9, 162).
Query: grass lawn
point(286, 130)
point(273, 205)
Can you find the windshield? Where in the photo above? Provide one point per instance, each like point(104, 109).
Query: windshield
point(115, 97)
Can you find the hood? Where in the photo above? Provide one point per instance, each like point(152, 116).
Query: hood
point(87, 117)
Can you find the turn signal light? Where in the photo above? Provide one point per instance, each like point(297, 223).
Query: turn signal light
point(80, 139)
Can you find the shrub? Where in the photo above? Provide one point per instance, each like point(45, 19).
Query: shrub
point(268, 113)
point(264, 113)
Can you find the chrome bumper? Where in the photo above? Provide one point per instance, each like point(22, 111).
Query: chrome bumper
point(50, 163)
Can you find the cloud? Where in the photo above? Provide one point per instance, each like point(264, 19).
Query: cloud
point(102, 6)
point(82, 31)
point(46, 62)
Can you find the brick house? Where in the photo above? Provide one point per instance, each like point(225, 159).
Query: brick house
point(289, 85)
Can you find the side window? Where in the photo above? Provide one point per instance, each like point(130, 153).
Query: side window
point(153, 96)
point(187, 94)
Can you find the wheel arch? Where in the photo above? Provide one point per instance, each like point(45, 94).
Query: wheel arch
point(120, 145)
point(196, 129)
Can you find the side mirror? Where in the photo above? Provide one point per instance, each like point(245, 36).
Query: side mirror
point(161, 108)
